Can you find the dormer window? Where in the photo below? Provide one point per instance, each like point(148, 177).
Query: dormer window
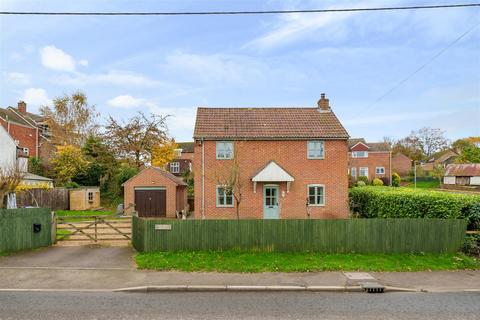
point(360, 154)
point(178, 153)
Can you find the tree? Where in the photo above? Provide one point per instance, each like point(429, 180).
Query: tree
point(438, 172)
point(389, 141)
point(135, 138)
point(408, 147)
point(10, 178)
point(163, 153)
point(68, 162)
point(230, 178)
point(468, 149)
point(428, 140)
point(71, 120)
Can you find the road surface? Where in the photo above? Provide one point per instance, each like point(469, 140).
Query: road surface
point(238, 305)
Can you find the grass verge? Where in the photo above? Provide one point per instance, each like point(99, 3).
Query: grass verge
point(231, 261)
point(435, 184)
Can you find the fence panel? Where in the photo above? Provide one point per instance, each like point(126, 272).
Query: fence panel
point(329, 236)
point(17, 230)
point(56, 198)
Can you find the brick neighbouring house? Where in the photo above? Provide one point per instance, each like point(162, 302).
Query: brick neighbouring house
point(183, 160)
point(29, 130)
point(293, 162)
point(373, 160)
point(401, 164)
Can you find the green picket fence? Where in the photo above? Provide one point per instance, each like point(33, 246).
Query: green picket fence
point(329, 236)
point(17, 229)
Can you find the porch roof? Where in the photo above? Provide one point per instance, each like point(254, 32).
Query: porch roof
point(272, 172)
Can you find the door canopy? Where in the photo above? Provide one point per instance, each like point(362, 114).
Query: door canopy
point(272, 172)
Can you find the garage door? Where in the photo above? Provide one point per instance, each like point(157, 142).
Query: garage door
point(151, 202)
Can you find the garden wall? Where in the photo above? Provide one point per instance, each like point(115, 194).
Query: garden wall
point(329, 236)
point(17, 229)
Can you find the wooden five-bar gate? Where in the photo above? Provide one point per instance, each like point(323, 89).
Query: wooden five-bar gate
point(93, 228)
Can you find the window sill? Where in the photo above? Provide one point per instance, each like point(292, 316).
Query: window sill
point(310, 158)
point(316, 205)
point(224, 206)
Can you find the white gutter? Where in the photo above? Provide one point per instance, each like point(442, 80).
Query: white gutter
point(203, 178)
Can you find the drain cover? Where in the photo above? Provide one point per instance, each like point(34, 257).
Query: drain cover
point(358, 276)
point(372, 287)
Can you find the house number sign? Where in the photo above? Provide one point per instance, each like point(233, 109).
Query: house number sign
point(163, 227)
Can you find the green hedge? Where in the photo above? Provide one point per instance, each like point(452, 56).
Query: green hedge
point(16, 229)
point(386, 202)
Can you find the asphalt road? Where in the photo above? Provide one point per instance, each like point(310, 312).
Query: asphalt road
point(244, 305)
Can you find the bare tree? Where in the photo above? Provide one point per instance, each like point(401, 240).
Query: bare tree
point(230, 178)
point(135, 138)
point(389, 141)
point(10, 178)
point(429, 140)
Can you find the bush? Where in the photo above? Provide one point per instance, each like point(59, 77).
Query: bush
point(71, 185)
point(361, 183)
point(395, 180)
point(385, 202)
point(471, 245)
point(377, 182)
point(364, 179)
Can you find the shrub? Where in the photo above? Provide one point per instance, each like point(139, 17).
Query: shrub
point(361, 183)
point(377, 182)
point(471, 245)
point(364, 179)
point(395, 180)
point(385, 202)
point(71, 185)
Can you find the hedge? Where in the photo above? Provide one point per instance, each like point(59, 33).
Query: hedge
point(387, 202)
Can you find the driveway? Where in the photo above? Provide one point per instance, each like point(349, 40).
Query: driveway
point(72, 257)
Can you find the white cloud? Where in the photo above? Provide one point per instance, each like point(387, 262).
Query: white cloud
point(36, 97)
point(83, 62)
point(17, 78)
point(56, 59)
point(125, 101)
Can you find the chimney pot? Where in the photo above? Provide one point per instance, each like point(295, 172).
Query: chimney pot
point(22, 107)
point(323, 103)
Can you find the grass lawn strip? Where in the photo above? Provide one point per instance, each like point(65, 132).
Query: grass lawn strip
point(251, 262)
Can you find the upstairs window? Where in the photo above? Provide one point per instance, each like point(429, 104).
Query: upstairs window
point(224, 150)
point(316, 195)
point(360, 154)
point(315, 150)
point(175, 167)
point(224, 197)
point(178, 153)
point(26, 151)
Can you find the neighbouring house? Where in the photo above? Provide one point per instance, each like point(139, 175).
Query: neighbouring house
point(465, 174)
point(154, 192)
point(442, 158)
point(369, 159)
point(290, 162)
point(401, 164)
point(84, 198)
point(28, 130)
point(183, 159)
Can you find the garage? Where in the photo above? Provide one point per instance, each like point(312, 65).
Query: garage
point(155, 193)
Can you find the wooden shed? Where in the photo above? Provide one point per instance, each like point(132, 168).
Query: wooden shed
point(84, 198)
point(155, 192)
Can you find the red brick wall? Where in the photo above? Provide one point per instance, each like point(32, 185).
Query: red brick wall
point(292, 156)
point(375, 159)
point(26, 136)
point(401, 164)
point(151, 178)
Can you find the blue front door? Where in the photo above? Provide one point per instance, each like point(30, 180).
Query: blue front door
point(270, 202)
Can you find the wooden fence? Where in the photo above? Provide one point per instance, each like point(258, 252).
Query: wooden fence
point(22, 229)
point(56, 198)
point(329, 236)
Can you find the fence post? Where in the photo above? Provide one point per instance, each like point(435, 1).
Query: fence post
point(54, 227)
point(95, 228)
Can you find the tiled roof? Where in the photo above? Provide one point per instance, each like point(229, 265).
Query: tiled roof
point(372, 146)
point(463, 170)
point(186, 146)
point(27, 119)
point(267, 123)
point(170, 176)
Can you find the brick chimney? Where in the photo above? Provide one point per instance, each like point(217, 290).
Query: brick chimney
point(22, 107)
point(323, 103)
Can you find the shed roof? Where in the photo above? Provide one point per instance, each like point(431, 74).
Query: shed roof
point(166, 174)
point(463, 170)
point(267, 123)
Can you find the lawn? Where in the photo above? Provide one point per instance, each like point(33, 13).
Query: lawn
point(434, 184)
point(231, 261)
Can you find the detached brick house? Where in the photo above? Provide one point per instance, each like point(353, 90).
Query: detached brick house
point(372, 160)
point(292, 162)
point(184, 159)
point(29, 130)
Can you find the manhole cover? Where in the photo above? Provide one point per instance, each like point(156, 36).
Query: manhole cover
point(358, 276)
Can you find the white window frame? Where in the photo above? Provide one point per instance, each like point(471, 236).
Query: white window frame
point(26, 151)
point(377, 170)
point(178, 153)
point(175, 167)
point(318, 149)
point(221, 150)
point(225, 195)
point(316, 186)
point(360, 172)
point(356, 154)
point(353, 172)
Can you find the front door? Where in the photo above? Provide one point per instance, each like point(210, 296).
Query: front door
point(271, 209)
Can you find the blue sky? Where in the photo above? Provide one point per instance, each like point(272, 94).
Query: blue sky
point(171, 65)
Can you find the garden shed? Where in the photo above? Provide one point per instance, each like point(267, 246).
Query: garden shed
point(84, 198)
point(155, 192)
